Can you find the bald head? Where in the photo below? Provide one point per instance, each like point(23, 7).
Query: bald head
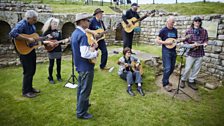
point(170, 22)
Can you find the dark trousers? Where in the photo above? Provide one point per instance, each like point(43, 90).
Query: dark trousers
point(104, 54)
point(85, 81)
point(51, 66)
point(169, 60)
point(127, 39)
point(29, 68)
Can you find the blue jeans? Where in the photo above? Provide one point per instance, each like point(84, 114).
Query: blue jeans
point(169, 60)
point(131, 77)
point(104, 54)
point(85, 80)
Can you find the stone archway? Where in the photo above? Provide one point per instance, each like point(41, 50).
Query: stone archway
point(4, 32)
point(67, 29)
point(39, 26)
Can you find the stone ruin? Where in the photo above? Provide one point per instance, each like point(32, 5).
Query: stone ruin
point(213, 63)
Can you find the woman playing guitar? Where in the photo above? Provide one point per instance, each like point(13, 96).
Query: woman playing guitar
point(50, 28)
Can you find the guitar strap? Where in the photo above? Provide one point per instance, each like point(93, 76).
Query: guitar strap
point(102, 25)
point(128, 61)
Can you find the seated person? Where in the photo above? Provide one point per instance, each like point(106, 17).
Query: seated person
point(127, 73)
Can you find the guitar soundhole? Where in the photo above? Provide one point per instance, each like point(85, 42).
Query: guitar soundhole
point(33, 44)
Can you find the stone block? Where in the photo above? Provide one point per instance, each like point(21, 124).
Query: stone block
point(218, 67)
point(221, 37)
point(216, 49)
point(207, 54)
point(208, 49)
point(221, 31)
point(206, 59)
point(216, 20)
point(221, 56)
point(221, 26)
point(218, 43)
point(214, 55)
point(211, 86)
point(211, 70)
point(215, 61)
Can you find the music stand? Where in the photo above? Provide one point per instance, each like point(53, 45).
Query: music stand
point(178, 86)
point(71, 84)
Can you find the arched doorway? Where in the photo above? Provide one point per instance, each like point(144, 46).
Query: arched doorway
point(39, 26)
point(4, 32)
point(67, 29)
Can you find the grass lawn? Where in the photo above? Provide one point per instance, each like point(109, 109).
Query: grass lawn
point(195, 8)
point(111, 105)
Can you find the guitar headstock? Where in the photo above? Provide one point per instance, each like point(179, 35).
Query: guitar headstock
point(151, 13)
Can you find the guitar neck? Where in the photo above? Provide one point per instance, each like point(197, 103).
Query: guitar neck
point(140, 19)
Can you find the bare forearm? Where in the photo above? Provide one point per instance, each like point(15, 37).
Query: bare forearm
point(20, 37)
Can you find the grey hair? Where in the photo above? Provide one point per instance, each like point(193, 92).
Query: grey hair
point(170, 18)
point(47, 24)
point(31, 14)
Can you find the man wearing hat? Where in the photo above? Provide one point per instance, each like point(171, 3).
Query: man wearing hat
point(97, 23)
point(199, 36)
point(82, 54)
point(128, 37)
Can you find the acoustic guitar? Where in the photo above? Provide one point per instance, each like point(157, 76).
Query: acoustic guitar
point(175, 41)
point(25, 47)
point(134, 22)
point(101, 35)
point(133, 66)
point(56, 43)
point(93, 48)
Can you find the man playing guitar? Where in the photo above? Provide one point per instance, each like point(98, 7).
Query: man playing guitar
point(95, 24)
point(28, 61)
point(168, 55)
point(128, 35)
point(195, 55)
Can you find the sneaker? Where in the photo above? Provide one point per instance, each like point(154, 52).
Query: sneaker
point(182, 84)
point(86, 116)
point(35, 90)
point(130, 91)
point(139, 89)
point(59, 79)
point(29, 95)
point(192, 85)
point(105, 68)
point(52, 81)
point(167, 88)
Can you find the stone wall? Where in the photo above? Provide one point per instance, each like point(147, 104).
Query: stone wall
point(213, 61)
point(214, 58)
point(22, 7)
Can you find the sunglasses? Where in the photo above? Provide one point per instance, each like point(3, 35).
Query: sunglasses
point(197, 21)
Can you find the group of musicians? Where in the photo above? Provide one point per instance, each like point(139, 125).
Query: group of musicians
point(82, 52)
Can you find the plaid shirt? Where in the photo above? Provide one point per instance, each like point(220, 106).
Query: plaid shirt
point(200, 37)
